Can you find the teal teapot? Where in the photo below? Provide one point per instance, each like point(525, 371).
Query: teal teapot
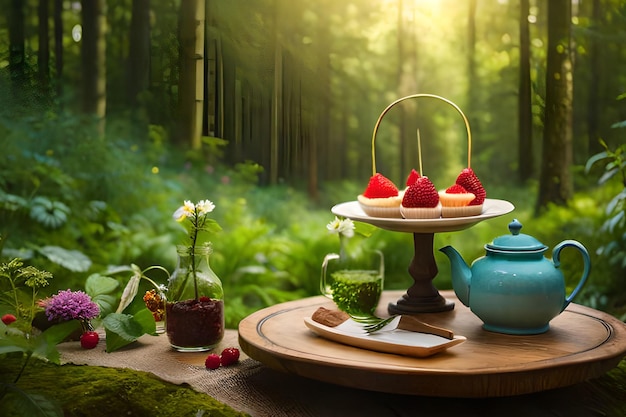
point(514, 289)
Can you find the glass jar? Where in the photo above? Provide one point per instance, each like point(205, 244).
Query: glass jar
point(354, 279)
point(194, 316)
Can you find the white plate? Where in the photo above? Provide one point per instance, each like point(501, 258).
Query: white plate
point(491, 208)
point(389, 339)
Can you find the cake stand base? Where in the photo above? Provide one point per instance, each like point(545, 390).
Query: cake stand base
point(415, 305)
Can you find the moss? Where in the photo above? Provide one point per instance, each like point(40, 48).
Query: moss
point(97, 391)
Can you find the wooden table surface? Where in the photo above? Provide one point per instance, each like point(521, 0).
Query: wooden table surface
point(582, 343)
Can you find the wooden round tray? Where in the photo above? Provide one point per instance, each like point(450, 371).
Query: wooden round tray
point(582, 343)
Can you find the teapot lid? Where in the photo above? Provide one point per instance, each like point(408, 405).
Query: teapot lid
point(516, 241)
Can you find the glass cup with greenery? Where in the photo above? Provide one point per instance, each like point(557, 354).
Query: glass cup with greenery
point(354, 277)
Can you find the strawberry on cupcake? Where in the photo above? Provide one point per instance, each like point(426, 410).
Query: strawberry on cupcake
point(421, 200)
point(381, 198)
point(460, 205)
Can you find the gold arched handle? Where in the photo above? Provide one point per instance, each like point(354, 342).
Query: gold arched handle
point(445, 100)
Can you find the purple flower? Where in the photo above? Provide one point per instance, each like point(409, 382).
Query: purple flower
point(71, 305)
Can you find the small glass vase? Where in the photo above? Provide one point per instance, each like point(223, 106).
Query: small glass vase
point(155, 302)
point(194, 313)
point(354, 279)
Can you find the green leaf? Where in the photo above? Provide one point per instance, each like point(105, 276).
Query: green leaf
point(364, 229)
point(111, 270)
point(595, 158)
point(130, 291)
point(32, 405)
point(70, 259)
point(14, 343)
point(123, 329)
point(100, 289)
point(59, 332)
point(146, 320)
point(97, 284)
point(211, 226)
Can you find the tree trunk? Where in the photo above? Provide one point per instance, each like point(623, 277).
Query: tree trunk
point(525, 127)
point(139, 50)
point(407, 85)
point(402, 91)
point(594, 106)
point(473, 83)
point(191, 82)
point(277, 107)
point(43, 54)
point(58, 45)
point(16, 43)
point(93, 56)
point(471, 53)
point(555, 183)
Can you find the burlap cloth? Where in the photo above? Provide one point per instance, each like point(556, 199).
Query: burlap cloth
point(255, 389)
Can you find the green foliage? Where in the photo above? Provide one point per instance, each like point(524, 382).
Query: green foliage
point(24, 404)
point(123, 329)
point(130, 319)
point(615, 223)
point(101, 289)
point(19, 287)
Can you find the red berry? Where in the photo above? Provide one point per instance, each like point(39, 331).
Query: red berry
point(380, 187)
point(468, 180)
point(230, 356)
point(413, 176)
point(212, 361)
point(456, 189)
point(204, 299)
point(89, 340)
point(422, 193)
point(8, 319)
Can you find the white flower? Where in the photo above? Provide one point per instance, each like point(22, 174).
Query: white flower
point(188, 209)
point(204, 207)
point(343, 227)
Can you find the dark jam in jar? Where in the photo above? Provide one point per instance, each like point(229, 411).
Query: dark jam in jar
point(195, 325)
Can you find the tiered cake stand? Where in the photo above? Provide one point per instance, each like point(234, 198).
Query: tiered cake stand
point(422, 296)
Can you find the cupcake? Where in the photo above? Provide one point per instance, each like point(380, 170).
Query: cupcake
point(468, 180)
point(380, 198)
point(455, 202)
point(421, 201)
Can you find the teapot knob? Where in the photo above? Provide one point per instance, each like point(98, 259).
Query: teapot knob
point(514, 227)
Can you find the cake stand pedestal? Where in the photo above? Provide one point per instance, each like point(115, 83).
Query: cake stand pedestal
point(423, 296)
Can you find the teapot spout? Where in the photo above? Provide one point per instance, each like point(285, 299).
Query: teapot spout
point(461, 274)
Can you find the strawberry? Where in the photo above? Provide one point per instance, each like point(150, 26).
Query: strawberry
point(380, 187)
point(421, 193)
point(230, 356)
point(89, 340)
point(413, 176)
point(212, 361)
point(8, 319)
point(456, 189)
point(468, 180)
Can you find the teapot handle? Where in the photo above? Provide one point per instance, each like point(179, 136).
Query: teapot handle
point(556, 254)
